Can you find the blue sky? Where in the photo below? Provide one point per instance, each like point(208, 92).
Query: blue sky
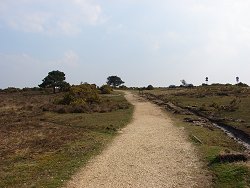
point(144, 42)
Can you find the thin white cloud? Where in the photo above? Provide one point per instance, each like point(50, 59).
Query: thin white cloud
point(70, 59)
point(156, 45)
point(50, 17)
point(90, 11)
point(67, 28)
point(20, 70)
point(24, 70)
point(211, 37)
point(34, 22)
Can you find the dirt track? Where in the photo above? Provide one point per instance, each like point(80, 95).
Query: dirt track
point(150, 152)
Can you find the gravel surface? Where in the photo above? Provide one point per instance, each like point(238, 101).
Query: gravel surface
point(149, 152)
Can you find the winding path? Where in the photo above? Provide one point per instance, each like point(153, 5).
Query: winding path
point(150, 152)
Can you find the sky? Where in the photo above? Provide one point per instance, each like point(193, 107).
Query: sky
point(157, 42)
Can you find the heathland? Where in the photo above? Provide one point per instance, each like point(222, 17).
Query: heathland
point(43, 141)
point(46, 137)
point(204, 111)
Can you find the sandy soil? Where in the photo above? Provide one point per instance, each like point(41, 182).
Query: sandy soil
point(150, 152)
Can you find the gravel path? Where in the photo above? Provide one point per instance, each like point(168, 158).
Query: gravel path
point(150, 152)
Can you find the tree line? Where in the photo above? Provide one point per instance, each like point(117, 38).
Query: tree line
point(56, 79)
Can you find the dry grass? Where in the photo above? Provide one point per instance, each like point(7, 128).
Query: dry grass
point(214, 101)
point(225, 169)
point(43, 149)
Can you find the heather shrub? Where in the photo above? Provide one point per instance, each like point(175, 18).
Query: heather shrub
point(12, 90)
point(150, 87)
point(123, 87)
point(106, 89)
point(242, 84)
point(64, 86)
point(85, 98)
point(81, 95)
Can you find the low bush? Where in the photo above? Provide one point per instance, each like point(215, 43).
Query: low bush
point(123, 87)
point(81, 95)
point(12, 90)
point(150, 87)
point(64, 86)
point(85, 98)
point(242, 84)
point(106, 89)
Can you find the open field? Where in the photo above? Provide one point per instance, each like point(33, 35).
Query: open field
point(228, 102)
point(215, 102)
point(42, 148)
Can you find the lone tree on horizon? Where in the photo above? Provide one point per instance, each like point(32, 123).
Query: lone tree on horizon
point(114, 81)
point(237, 79)
point(206, 80)
point(53, 80)
point(183, 82)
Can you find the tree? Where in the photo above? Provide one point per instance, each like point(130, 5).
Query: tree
point(64, 86)
point(206, 80)
point(53, 80)
point(150, 87)
point(114, 81)
point(183, 82)
point(237, 79)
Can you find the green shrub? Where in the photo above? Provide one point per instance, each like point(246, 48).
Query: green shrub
point(12, 90)
point(27, 89)
point(106, 89)
point(64, 86)
point(242, 84)
point(85, 98)
point(123, 87)
point(150, 87)
point(81, 95)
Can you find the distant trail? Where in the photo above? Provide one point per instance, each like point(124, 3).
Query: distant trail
point(150, 152)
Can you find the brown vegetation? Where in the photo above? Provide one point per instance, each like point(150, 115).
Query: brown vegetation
point(201, 110)
point(42, 149)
